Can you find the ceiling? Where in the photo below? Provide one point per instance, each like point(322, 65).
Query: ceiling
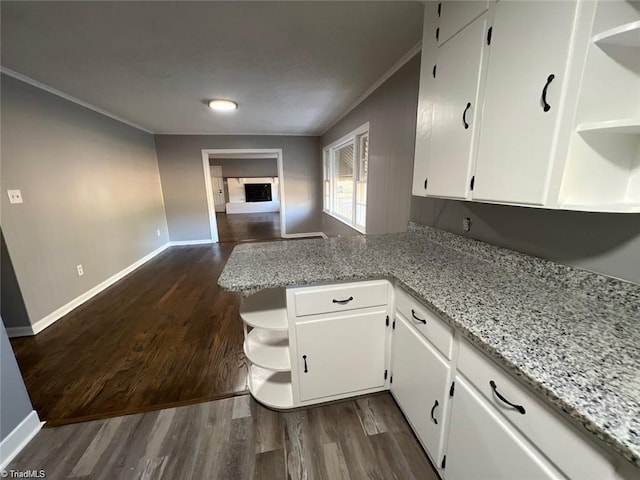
point(293, 67)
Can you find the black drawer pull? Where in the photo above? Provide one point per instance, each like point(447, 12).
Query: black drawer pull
point(519, 408)
point(545, 106)
point(342, 302)
point(304, 358)
point(464, 116)
point(413, 314)
point(432, 410)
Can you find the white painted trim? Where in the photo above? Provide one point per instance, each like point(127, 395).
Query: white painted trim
point(19, 437)
point(82, 103)
point(13, 332)
point(351, 136)
point(397, 66)
point(247, 152)
point(305, 235)
point(76, 302)
point(179, 243)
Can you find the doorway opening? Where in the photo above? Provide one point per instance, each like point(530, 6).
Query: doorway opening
point(245, 194)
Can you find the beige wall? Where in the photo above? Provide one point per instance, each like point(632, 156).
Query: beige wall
point(180, 162)
point(91, 192)
point(391, 112)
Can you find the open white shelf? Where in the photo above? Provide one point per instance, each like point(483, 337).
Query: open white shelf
point(628, 126)
point(604, 207)
point(272, 389)
point(266, 309)
point(268, 349)
point(627, 35)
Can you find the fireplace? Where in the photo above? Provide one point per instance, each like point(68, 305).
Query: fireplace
point(257, 192)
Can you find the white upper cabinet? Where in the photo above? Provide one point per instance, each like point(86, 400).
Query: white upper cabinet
point(454, 16)
point(455, 113)
point(555, 114)
point(523, 100)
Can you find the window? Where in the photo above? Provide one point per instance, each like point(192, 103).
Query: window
point(346, 165)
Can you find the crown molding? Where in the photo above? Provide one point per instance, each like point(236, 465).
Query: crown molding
point(82, 103)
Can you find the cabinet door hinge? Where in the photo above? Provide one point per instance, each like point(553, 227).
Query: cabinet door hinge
point(452, 389)
point(472, 183)
point(444, 462)
point(439, 9)
point(489, 32)
point(387, 321)
point(435, 69)
point(438, 33)
point(386, 373)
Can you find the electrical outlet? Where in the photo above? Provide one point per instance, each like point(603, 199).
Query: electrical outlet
point(466, 224)
point(158, 232)
point(80, 270)
point(15, 196)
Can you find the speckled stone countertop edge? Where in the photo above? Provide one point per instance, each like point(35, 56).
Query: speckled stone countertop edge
point(575, 418)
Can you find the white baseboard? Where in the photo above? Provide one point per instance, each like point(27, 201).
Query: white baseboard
point(48, 320)
point(19, 437)
point(178, 243)
point(304, 235)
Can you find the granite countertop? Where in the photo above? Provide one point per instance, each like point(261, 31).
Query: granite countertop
point(571, 335)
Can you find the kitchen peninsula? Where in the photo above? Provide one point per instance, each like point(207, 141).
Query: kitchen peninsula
point(568, 335)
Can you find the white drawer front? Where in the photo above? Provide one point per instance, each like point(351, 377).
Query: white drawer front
point(563, 445)
point(338, 298)
point(428, 324)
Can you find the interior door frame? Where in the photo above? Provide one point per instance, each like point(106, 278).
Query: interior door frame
point(257, 153)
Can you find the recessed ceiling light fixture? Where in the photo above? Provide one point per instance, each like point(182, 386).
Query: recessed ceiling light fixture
point(220, 105)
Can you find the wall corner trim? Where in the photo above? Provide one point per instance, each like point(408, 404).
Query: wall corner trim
point(19, 437)
point(48, 320)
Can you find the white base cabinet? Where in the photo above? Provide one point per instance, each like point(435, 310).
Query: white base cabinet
point(483, 445)
point(420, 384)
point(341, 354)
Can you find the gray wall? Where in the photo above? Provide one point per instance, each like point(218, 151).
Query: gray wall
point(14, 401)
point(12, 307)
point(180, 162)
point(91, 192)
point(247, 167)
point(607, 243)
point(391, 112)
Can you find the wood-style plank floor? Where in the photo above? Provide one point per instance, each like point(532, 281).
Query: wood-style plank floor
point(165, 335)
point(248, 227)
point(236, 438)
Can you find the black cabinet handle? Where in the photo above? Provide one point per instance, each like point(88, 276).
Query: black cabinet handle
point(342, 302)
point(545, 106)
point(413, 314)
point(304, 358)
point(432, 410)
point(464, 116)
point(519, 408)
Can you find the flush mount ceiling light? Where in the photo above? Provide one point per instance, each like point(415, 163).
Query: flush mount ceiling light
point(220, 105)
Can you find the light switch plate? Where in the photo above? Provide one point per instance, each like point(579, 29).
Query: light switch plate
point(15, 196)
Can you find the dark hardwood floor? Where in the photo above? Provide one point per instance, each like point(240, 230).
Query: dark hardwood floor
point(165, 335)
point(236, 439)
point(248, 227)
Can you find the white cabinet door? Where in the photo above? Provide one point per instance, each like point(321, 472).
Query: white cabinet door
point(483, 445)
point(341, 354)
point(421, 381)
point(455, 15)
point(529, 43)
point(455, 112)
